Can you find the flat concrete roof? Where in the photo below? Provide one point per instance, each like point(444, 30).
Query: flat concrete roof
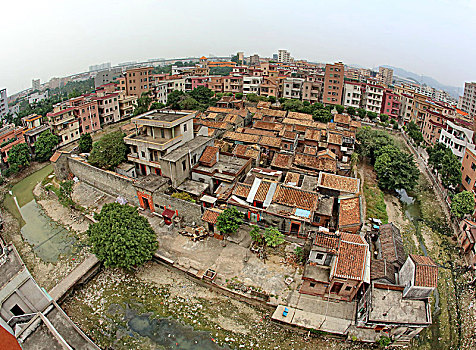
point(325, 206)
point(163, 116)
point(317, 273)
point(151, 182)
point(389, 306)
point(11, 267)
point(226, 163)
point(183, 150)
point(193, 187)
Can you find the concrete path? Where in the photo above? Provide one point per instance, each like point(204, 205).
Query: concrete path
point(69, 281)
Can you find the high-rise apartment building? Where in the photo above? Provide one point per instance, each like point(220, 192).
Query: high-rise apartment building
point(3, 103)
point(35, 84)
point(468, 101)
point(386, 75)
point(284, 56)
point(333, 84)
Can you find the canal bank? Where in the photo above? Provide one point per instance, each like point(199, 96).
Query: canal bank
point(50, 249)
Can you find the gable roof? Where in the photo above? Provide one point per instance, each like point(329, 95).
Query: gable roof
point(315, 163)
point(209, 155)
point(349, 212)
point(351, 258)
point(211, 215)
point(294, 197)
point(338, 182)
point(235, 136)
point(426, 271)
point(241, 190)
point(282, 160)
point(392, 244)
point(55, 156)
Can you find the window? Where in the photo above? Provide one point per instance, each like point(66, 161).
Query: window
point(312, 284)
point(184, 165)
point(184, 127)
point(319, 256)
point(473, 166)
point(467, 179)
point(348, 288)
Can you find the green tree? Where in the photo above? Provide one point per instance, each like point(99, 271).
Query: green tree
point(85, 143)
point(18, 157)
point(229, 221)
point(383, 118)
point(45, 145)
point(372, 115)
point(109, 151)
point(272, 99)
point(121, 237)
point(462, 204)
point(442, 159)
point(143, 103)
point(414, 132)
point(396, 170)
point(239, 95)
point(340, 109)
point(252, 98)
point(361, 113)
point(174, 98)
point(282, 100)
point(273, 237)
point(202, 94)
point(156, 105)
point(370, 141)
point(256, 235)
point(351, 111)
point(292, 105)
point(221, 71)
point(322, 115)
point(189, 103)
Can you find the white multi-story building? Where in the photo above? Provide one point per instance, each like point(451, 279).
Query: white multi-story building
point(161, 91)
point(457, 138)
point(372, 100)
point(176, 84)
point(284, 56)
point(386, 75)
point(292, 88)
point(37, 97)
point(468, 102)
point(3, 103)
point(406, 107)
point(251, 84)
point(352, 94)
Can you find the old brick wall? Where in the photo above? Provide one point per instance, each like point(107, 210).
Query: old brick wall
point(107, 181)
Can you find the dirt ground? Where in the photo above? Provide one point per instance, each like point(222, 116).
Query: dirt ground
point(160, 292)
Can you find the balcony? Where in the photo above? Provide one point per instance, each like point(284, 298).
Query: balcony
point(134, 158)
point(160, 144)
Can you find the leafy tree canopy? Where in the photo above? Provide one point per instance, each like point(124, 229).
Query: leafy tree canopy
point(252, 98)
point(221, 71)
point(462, 204)
point(45, 145)
point(109, 151)
point(121, 237)
point(383, 118)
point(229, 221)
point(351, 111)
point(361, 113)
point(19, 157)
point(273, 237)
point(143, 103)
point(340, 109)
point(85, 143)
point(414, 132)
point(442, 159)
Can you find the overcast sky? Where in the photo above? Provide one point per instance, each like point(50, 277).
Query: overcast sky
point(43, 39)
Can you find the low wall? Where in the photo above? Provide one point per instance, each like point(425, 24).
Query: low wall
point(190, 212)
point(107, 181)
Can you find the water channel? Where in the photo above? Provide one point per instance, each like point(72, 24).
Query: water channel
point(49, 239)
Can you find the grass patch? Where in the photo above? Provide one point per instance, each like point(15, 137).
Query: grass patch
point(374, 200)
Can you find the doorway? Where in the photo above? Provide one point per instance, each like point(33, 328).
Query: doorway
point(295, 227)
point(336, 287)
point(146, 203)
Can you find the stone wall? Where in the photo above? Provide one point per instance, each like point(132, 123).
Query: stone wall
point(190, 212)
point(107, 181)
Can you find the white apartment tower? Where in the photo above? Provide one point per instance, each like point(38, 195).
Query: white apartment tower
point(3, 103)
point(468, 101)
point(284, 56)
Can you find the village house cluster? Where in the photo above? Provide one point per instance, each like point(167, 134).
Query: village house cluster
point(284, 170)
point(280, 169)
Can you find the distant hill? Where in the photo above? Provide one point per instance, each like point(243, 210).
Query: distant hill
point(422, 79)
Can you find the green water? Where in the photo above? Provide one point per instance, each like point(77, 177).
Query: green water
point(49, 239)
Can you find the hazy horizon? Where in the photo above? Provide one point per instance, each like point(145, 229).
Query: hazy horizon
point(60, 38)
